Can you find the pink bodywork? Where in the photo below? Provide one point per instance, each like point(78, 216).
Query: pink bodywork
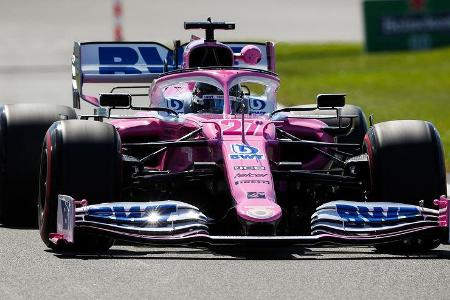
point(444, 213)
point(246, 157)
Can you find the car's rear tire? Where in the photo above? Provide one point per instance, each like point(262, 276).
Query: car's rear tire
point(406, 163)
point(356, 135)
point(81, 159)
point(22, 129)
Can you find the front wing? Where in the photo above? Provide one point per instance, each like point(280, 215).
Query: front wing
point(178, 223)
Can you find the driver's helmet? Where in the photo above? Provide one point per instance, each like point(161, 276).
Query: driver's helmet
point(207, 98)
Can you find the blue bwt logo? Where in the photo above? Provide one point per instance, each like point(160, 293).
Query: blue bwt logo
point(245, 152)
point(256, 104)
point(175, 104)
point(360, 215)
point(137, 212)
point(128, 60)
point(244, 149)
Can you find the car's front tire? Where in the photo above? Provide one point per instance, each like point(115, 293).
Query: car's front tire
point(81, 159)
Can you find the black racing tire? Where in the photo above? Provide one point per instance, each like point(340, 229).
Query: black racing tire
point(406, 162)
point(22, 130)
point(81, 159)
point(357, 133)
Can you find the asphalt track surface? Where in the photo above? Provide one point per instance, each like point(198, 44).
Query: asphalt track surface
point(35, 48)
point(30, 271)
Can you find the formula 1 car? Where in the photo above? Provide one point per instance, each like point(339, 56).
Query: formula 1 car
point(211, 160)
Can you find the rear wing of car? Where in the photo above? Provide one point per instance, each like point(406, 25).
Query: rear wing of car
point(113, 62)
point(139, 62)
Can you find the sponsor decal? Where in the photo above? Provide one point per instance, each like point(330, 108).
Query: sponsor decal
point(244, 149)
point(212, 97)
point(245, 152)
point(256, 104)
point(409, 24)
point(257, 112)
point(256, 195)
point(360, 214)
point(249, 175)
point(175, 104)
point(133, 212)
point(129, 59)
point(248, 168)
point(252, 181)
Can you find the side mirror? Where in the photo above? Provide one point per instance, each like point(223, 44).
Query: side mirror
point(115, 100)
point(330, 100)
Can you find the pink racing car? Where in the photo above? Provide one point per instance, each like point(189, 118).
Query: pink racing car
point(212, 160)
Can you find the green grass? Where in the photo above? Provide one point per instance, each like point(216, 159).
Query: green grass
point(395, 85)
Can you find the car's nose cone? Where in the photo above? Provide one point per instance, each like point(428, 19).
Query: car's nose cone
point(259, 210)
